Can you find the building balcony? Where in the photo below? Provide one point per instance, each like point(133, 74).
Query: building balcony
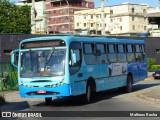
point(128, 14)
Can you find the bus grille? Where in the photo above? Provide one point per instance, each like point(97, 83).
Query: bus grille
point(41, 81)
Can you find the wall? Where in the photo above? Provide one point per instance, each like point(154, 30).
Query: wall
point(11, 42)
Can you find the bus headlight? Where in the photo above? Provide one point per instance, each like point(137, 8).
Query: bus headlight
point(61, 83)
point(21, 83)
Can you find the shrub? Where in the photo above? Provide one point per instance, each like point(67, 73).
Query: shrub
point(154, 67)
point(150, 63)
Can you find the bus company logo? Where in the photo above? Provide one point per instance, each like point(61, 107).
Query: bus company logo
point(6, 114)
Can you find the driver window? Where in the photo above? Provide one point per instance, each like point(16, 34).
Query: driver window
point(75, 57)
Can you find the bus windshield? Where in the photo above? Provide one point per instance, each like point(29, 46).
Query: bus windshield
point(37, 63)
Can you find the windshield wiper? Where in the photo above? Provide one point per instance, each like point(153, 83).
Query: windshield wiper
point(50, 55)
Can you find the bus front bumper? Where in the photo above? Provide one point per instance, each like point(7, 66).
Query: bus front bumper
point(44, 92)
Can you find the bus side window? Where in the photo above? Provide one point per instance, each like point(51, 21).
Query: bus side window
point(75, 57)
point(112, 57)
point(138, 53)
point(89, 53)
point(101, 55)
point(142, 49)
point(130, 53)
point(121, 55)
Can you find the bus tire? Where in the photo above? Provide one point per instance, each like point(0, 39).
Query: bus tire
point(89, 93)
point(48, 101)
point(129, 86)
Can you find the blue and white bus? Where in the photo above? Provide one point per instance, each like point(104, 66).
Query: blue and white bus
point(59, 66)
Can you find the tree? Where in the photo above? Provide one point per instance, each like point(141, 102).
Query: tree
point(14, 19)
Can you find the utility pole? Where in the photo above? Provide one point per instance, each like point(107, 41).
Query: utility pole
point(33, 18)
point(102, 18)
point(68, 16)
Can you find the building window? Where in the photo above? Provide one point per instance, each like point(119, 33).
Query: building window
point(97, 25)
point(87, 5)
point(132, 18)
point(77, 24)
point(111, 12)
point(132, 10)
point(111, 20)
point(144, 10)
point(145, 27)
point(91, 16)
point(105, 15)
point(71, 10)
point(120, 27)
point(49, 19)
point(84, 24)
point(120, 19)
point(145, 19)
point(91, 24)
point(133, 27)
point(49, 27)
point(64, 26)
point(97, 16)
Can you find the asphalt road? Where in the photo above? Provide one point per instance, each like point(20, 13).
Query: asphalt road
point(112, 100)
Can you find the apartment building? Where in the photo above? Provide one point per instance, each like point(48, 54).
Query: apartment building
point(123, 19)
point(60, 14)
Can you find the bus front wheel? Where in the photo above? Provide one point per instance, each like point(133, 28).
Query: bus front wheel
point(48, 101)
point(90, 92)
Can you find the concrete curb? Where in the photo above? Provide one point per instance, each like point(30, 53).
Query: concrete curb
point(154, 100)
point(140, 94)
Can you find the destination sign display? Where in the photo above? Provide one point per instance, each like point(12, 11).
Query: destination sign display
point(38, 44)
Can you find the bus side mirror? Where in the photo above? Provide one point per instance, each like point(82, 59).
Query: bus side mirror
point(13, 54)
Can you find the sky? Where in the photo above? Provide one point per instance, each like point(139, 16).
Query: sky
point(153, 3)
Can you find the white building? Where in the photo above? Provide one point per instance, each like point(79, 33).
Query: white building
point(123, 19)
point(40, 20)
point(153, 16)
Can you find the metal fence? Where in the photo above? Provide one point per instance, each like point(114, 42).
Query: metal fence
point(8, 77)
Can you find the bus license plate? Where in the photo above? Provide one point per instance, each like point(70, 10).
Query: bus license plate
point(41, 91)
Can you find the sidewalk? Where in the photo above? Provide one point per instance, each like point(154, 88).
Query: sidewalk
point(151, 94)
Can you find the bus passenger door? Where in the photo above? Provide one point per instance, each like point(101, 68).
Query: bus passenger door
point(76, 72)
point(141, 66)
point(140, 60)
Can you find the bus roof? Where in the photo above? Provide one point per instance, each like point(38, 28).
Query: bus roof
point(69, 38)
